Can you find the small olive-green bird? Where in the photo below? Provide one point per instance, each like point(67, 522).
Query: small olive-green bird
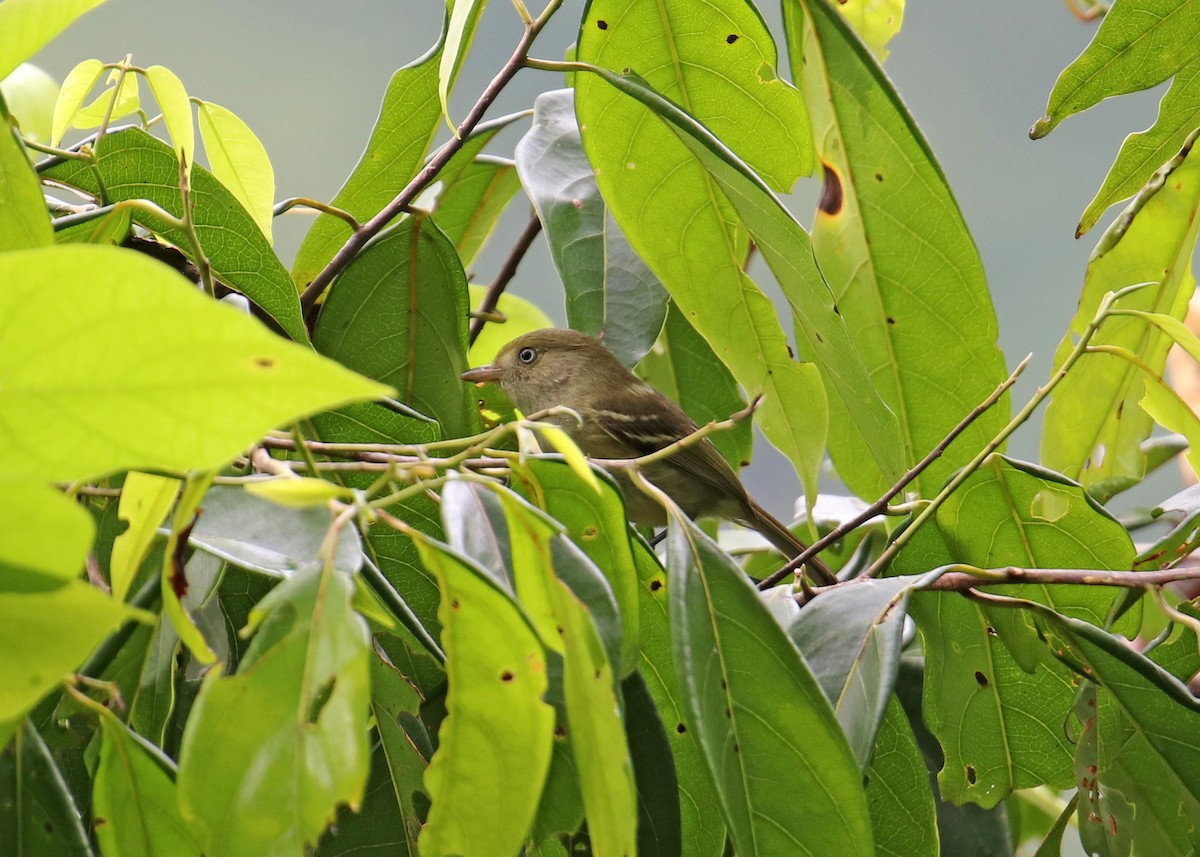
point(621, 417)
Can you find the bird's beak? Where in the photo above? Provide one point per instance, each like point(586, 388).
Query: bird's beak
point(483, 374)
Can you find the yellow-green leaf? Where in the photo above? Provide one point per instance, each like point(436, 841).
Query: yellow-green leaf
point(172, 100)
point(26, 26)
point(74, 90)
point(145, 501)
point(115, 102)
point(239, 161)
point(301, 493)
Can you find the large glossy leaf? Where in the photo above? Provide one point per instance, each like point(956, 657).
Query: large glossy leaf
point(784, 244)
point(26, 26)
point(399, 315)
point(24, 222)
point(1093, 426)
point(262, 536)
point(304, 751)
point(407, 121)
point(38, 817)
point(702, 827)
point(683, 366)
point(998, 727)
point(29, 93)
point(135, 165)
point(135, 795)
point(1139, 45)
point(850, 638)
point(185, 382)
point(768, 735)
point(610, 291)
point(494, 745)
point(1141, 737)
point(718, 60)
point(894, 247)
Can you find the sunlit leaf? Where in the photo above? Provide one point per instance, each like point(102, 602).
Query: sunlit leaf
point(30, 94)
point(239, 161)
point(43, 529)
point(24, 222)
point(145, 501)
point(26, 26)
point(172, 100)
point(75, 87)
point(114, 102)
point(185, 382)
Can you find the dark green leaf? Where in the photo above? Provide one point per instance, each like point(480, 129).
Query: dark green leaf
point(399, 312)
point(658, 829)
point(38, 817)
point(135, 165)
point(767, 733)
point(899, 797)
point(470, 204)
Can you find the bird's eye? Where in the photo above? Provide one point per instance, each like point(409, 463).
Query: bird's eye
point(527, 355)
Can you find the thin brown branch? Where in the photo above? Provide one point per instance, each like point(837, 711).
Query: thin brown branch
point(504, 276)
point(961, 581)
point(881, 505)
point(355, 243)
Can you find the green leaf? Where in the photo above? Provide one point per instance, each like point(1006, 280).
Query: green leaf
point(998, 726)
point(48, 626)
point(145, 501)
point(610, 292)
point(269, 538)
point(304, 492)
point(656, 188)
point(595, 521)
point(26, 26)
point(24, 222)
point(172, 100)
point(304, 750)
point(239, 161)
point(594, 724)
point(494, 745)
point(471, 201)
point(1146, 755)
point(38, 817)
point(405, 127)
point(135, 165)
point(894, 247)
point(75, 87)
point(658, 828)
point(702, 826)
point(851, 640)
point(30, 94)
point(903, 812)
point(114, 102)
point(460, 32)
point(1170, 411)
point(1139, 45)
point(767, 733)
point(399, 315)
point(785, 246)
point(175, 580)
point(875, 21)
point(113, 227)
point(1093, 426)
point(134, 795)
point(185, 382)
point(43, 529)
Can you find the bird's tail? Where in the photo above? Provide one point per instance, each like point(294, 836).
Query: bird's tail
point(781, 537)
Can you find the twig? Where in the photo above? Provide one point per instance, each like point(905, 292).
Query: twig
point(960, 581)
point(402, 200)
point(295, 201)
point(880, 506)
point(503, 277)
point(961, 476)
